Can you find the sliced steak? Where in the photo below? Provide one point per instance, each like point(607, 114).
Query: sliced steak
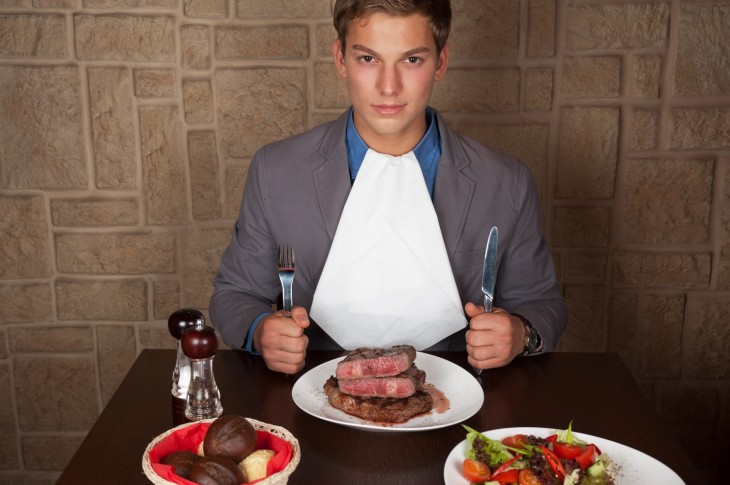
point(403, 385)
point(368, 362)
point(378, 409)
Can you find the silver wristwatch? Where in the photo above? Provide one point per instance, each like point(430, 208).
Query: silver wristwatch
point(534, 344)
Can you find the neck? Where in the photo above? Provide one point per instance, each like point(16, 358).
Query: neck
point(395, 144)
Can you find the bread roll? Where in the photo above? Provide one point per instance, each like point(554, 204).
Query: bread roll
point(230, 436)
point(182, 462)
point(254, 465)
point(217, 470)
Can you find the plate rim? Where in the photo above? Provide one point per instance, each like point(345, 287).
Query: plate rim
point(371, 426)
point(580, 435)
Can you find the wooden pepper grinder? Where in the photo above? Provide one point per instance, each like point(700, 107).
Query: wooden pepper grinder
point(200, 344)
point(179, 321)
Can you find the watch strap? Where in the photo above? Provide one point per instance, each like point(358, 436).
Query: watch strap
point(533, 343)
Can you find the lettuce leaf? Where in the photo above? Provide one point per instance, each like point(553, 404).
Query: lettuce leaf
point(495, 450)
point(566, 436)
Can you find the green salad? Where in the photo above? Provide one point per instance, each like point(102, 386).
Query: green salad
point(558, 459)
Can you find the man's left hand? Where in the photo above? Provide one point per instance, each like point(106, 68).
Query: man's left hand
point(493, 339)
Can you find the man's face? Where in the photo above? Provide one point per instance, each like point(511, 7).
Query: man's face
point(390, 65)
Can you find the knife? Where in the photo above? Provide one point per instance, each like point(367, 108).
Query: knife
point(489, 273)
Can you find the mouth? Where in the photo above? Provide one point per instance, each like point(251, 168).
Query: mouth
point(389, 109)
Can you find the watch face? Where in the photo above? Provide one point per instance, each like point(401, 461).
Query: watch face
point(534, 341)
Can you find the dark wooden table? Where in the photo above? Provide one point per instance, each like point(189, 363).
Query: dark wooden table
point(594, 390)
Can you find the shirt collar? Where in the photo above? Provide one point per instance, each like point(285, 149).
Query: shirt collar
point(427, 151)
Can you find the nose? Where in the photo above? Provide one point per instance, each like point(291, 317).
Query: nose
point(389, 81)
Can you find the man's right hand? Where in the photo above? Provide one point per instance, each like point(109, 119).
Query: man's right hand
point(281, 340)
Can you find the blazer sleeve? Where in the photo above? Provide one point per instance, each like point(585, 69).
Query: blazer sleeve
point(526, 282)
point(247, 283)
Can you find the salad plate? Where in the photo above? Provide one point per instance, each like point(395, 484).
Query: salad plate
point(464, 393)
point(631, 467)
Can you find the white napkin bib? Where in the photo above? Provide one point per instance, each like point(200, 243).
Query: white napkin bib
point(387, 279)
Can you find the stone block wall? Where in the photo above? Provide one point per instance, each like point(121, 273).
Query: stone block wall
point(126, 129)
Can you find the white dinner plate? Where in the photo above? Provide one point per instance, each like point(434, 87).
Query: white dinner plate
point(630, 466)
point(460, 388)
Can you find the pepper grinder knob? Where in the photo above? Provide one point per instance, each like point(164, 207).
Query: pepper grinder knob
point(182, 319)
point(200, 344)
point(179, 321)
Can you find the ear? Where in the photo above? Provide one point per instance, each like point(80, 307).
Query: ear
point(442, 63)
point(339, 56)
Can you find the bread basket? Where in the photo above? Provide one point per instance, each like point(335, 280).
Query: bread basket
point(279, 478)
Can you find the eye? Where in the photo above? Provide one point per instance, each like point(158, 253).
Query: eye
point(413, 60)
point(366, 58)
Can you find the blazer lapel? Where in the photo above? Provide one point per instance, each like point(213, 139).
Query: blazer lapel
point(454, 188)
point(332, 178)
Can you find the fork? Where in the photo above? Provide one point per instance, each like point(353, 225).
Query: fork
point(285, 265)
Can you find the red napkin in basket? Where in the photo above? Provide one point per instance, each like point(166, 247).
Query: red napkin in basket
point(188, 438)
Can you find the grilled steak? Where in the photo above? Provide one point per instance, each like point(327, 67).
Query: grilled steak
point(367, 362)
point(403, 385)
point(378, 409)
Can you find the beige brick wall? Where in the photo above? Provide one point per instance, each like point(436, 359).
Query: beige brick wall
point(126, 128)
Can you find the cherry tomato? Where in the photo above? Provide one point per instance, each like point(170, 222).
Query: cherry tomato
point(528, 477)
point(475, 471)
point(585, 459)
point(514, 441)
point(567, 451)
point(509, 476)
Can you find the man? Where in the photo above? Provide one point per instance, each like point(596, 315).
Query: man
point(316, 190)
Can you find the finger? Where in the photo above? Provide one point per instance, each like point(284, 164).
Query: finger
point(289, 357)
point(481, 352)
point(288, 327)
point(488, 356)
point(473, 310)
point(289, 349)
point(499, 321)
point(486, 322)
point(273, 333)
point(489, 363)
point(284, 357)
point(489, 335)
point(284, 367)
point(300, 316)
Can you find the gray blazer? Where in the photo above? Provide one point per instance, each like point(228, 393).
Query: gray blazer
point(296, 190)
